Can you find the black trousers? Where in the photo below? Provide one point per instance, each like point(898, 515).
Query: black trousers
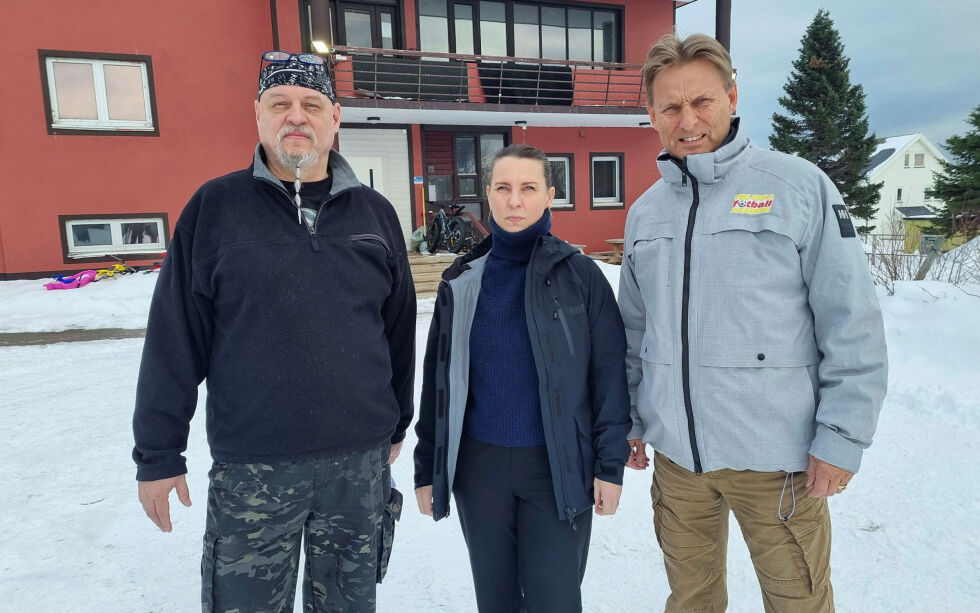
point(523, 557)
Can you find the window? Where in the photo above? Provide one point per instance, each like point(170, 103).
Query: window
point(533, 30)
point(433, 26)
point(920, 160)
point(92, 236)
point(907, 155)
point(898, 195)
point(561, 178)
point(86, 92)
point(607, 180)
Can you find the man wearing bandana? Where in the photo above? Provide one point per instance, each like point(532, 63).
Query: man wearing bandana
point(286, 288)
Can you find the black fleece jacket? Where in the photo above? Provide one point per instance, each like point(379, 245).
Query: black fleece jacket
point(305, 335)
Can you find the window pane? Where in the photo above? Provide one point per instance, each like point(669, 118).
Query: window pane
point(140, 233)
point(526, 31)
point(464, 29)
point(605, 179)
point(920, 160)
point(387, 36)
point(553, 42)
point(124, 92)
point(493, 38)
point(439, 189)
point(578, 18)
point(466, 156)
point(490, 144)
point(605, 41)
point(91, 234)
point(434, 34)
point(467, 186)
point(357, 29)
point(525, 13)
point(551, 16)
point(74, 87)
point(435, 8)
point(579, 35)
point(492, 11)
point(559, 178)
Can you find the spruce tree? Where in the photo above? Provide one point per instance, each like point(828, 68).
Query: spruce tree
point(958, 185)
point(826, 120)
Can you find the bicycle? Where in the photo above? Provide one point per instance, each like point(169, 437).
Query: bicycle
point(451, 232)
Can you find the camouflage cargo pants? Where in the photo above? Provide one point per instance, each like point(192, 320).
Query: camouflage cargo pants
point(259, 515)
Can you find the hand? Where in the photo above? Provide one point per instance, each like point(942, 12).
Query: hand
point(606, 497)
point(638, 454)
point(824, 479)
point(395, 450)
point(424, 496)
point(155, 498)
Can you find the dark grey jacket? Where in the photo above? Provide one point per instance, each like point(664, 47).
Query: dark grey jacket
point(579, 348)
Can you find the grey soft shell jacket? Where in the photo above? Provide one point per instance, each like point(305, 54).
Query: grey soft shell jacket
point(755, 334)
point(579, 350)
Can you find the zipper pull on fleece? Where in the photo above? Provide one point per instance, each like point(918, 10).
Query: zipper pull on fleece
point(296, 199)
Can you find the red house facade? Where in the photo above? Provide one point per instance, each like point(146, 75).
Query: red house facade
point(121, 110)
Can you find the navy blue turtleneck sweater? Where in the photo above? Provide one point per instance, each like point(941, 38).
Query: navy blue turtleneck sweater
point(503, 407)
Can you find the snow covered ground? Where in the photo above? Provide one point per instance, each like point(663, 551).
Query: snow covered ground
point(74, 537)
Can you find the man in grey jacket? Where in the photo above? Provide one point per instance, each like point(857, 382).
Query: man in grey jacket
point(756, 360)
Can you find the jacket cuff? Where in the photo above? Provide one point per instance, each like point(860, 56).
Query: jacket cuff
point(397, 437)
point(610, 473)
point(635, 432)
point(833, 448)
point(154, 473)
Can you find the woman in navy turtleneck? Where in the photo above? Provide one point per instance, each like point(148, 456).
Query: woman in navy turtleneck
point(524, 412)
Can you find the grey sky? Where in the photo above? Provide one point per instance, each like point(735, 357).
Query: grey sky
point(919, 62)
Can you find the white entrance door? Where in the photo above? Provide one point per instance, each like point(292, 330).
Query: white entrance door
point(369, 171)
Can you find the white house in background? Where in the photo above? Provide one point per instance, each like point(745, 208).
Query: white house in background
point(905, 164)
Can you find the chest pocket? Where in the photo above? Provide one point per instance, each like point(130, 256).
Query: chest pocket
point(753, 308)
point(653, 252)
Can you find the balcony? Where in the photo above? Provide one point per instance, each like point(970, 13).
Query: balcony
point(397, 86)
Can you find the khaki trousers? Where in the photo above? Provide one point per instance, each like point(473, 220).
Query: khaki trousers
point(791, 556)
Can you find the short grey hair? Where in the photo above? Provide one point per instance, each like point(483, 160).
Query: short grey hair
point(672, 51)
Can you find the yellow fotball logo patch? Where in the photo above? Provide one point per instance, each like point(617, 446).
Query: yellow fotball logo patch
point(752, 204)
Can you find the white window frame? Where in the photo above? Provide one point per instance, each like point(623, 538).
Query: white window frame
point(115, 231)
point(101, 100)
point(907, 158)
point(919, 160)
point(614, 201)
point(565, 203)
point(898, 195)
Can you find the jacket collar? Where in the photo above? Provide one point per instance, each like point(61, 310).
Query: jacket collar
point(548, 251)
point(343, 175)
point(706, 167)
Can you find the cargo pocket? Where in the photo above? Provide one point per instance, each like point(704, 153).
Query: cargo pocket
point(392, 513)
point(802, 570)
point(207, 573)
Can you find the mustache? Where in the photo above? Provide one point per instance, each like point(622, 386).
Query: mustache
point(304, 130)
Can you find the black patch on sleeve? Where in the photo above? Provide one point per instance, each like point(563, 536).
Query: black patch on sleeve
point(844, 221)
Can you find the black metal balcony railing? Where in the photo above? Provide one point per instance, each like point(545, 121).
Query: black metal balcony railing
point(451, 77)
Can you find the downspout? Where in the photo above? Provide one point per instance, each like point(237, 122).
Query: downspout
point(274, 12)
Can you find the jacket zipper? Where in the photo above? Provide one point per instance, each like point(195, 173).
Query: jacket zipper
point(311, 227)
point(560, 315)
point(685, 308)
point(569, 511)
